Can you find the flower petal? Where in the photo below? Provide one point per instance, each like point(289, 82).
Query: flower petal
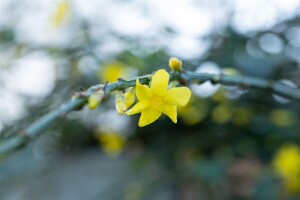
point(129, 98)
point(142, 91)
point(178, 96)
point(170, 111)
point(160, 82)
point(139, 107)
point(149, 116)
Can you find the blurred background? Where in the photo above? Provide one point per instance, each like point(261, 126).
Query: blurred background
point(229, 143)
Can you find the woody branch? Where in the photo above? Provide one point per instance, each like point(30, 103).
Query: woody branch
point(35, 129)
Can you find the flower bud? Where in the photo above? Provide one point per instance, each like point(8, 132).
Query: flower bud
point(124, 101)
point(230, 72)
point(175, 64)
point(120, 102)
point(95, 99)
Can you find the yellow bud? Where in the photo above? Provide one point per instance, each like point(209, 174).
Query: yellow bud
point(123, 101)
point(95, 99)
point(231, 72)
point(120, 102)
point(175, 64)
point(121, 107)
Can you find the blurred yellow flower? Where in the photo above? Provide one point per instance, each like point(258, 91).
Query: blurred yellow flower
point(282, 117)
point(112, 71)
point(111, 143)
point(242, 116)
point(61, 13)
point(219, 96)
point(286, 163)
point(157, 99)
point(222, 113)
point(190, 114)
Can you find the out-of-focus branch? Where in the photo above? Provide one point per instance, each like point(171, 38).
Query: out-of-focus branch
point(245, 82)
point(38, 127)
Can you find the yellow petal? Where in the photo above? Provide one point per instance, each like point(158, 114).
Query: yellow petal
point(160, 82)
point(142, 91)
point(129, 98)
point(137, 108)
point(148, 117)
point(170, 111)
point(178, 96)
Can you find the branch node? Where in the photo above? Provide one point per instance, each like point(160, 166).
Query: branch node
point(215, 79)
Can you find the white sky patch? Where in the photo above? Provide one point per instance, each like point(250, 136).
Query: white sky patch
point(11, 106)
point(33, 75)
point(292, 35)
point(35, 25)
point(129, 20)
point(262, 14)
point(207, 89)
point(182, 17)
point(87, 65)
point(112, 46)
point(91, 9)
point(4, 8)
point(187, 47)
point(271, 43)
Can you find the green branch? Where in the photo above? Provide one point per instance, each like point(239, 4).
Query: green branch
point(38, 127)
point(243, 81)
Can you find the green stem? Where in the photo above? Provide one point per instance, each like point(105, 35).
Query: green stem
point(273, 86)
point(38, 127)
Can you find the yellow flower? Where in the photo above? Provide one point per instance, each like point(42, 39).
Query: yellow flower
point(61, 13)
point(157, 99)
point(112, 71)
point(111, 143)
point(190, 114)
point(282, 117)
point(286, 163)
point(175, 64)
point(124, 101)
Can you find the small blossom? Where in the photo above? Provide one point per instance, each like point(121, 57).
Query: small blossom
point(95, 99)
point(175, 64)
point(158, 99)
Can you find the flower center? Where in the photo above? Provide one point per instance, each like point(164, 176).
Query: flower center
point(156, 101)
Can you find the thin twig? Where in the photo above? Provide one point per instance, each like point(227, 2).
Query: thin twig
point(38, 127)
